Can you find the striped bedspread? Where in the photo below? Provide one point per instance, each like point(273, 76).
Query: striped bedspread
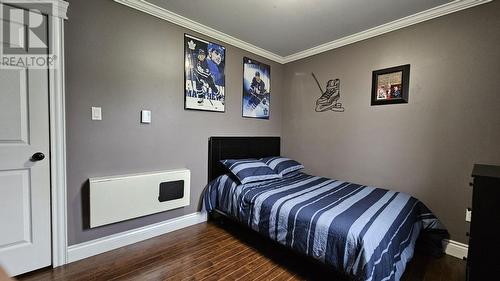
point(365, 232)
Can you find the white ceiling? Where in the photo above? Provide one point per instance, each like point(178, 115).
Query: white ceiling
point(285, 27)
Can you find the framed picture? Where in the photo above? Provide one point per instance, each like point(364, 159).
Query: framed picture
point(204, 78)
point(256, 89)
point(390, 85)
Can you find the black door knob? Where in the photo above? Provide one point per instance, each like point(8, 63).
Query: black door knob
point(38, 156)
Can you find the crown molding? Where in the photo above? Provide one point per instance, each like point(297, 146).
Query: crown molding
point(159, 12)
point(439, 11)
point(426, 15)
point(61, 8)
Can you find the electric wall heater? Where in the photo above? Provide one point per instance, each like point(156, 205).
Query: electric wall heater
point(118, 198)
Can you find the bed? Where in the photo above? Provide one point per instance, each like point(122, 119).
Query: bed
point(364, 232)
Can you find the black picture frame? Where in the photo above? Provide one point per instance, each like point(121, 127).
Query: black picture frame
point(384, 92)
point(211, 102)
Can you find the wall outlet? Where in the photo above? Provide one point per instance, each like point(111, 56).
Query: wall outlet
point(468, 214)
point(96, 113)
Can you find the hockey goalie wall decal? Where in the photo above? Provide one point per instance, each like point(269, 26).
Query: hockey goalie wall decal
point(330, 98)
point(256, 89)
point(204, 77)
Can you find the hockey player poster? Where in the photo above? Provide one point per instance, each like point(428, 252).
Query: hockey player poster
point(256, 89)
point(204, 75)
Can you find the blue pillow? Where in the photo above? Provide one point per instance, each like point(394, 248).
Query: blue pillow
point(250, 170)
point(282, 165)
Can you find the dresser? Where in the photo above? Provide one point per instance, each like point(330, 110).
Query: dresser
point(484, 236)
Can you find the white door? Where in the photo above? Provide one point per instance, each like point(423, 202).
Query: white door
point(25, 237)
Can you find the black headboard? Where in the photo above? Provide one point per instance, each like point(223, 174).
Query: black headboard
point(220, 148)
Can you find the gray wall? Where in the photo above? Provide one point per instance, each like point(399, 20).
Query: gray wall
point(124, 61)
point(426, 147)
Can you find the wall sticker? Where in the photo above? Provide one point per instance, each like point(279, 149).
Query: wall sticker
point(329, 99)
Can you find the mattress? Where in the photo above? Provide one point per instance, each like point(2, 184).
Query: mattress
point(365, 232)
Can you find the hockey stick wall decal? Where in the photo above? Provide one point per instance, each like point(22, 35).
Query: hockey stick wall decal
point(329, 99)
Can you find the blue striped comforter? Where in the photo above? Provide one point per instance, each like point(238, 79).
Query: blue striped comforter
point(366, 232)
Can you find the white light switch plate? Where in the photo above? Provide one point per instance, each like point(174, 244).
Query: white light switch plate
point(146, 116)
point(468, 215)
point(96, 113)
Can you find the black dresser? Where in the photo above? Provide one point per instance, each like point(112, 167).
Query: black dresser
point(484, 237)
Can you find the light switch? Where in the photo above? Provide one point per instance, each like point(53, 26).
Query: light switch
point(468, 215)
point(96, 113)
point(146, 116)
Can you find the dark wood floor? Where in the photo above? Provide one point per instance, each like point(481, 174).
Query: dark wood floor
point(211, 251)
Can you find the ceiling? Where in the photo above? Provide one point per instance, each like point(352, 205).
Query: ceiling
point(285, 27)
point(287, 30)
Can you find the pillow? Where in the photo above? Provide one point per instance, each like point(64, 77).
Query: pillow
point(282, 165)
point(250, 170)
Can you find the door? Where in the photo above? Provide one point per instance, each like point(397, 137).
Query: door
point(25, 237)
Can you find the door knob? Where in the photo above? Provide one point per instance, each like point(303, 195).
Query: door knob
point(38, 157)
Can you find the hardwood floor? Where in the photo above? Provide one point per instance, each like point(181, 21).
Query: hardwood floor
point(213, 251)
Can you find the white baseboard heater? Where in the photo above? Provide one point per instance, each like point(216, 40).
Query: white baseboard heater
point(118, 198)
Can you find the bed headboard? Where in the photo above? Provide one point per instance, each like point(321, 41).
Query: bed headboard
point(220, 148)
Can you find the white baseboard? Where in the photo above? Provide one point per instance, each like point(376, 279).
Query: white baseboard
point(455, 249)
point(108, 243)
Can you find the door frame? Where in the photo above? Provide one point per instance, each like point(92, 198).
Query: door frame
point(57, 109)
point(57, 113)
